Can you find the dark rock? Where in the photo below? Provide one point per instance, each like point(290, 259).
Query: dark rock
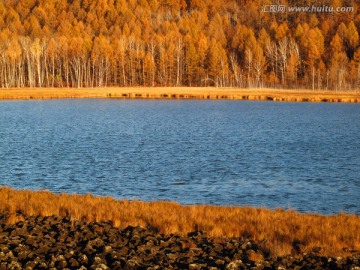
point(219, 262)
point(172, 256)
point(131, 265)
point(21, 232)
point(69, 254)
point(14, 265)
point(108, 249)
point(117, 265)
point(238, 264)
point(14, 243)
point(122, 251)
point(23, 255)
point(30, 264)
point(102, 267)
point(30, 241)
point(73, 263)
point(58, 243)
point(83, 259)
point(195, 266)
point(195, 252)
point(61, 264)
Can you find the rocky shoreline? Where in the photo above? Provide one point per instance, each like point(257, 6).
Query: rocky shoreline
point(54, 242)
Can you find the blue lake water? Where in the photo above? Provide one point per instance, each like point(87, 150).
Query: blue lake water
point(303, 156)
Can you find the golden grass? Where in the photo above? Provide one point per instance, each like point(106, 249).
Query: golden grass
point(278, 229)
point(182, 93)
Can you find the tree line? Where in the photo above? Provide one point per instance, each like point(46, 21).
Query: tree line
point(233, 43)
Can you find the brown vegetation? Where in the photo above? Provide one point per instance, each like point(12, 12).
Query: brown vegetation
point(77, 43)
point(182, 93)
point(282, 232)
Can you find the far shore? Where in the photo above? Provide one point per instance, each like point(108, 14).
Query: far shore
point(210, 93)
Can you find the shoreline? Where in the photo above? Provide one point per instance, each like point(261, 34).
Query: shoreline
point(167, 93)
point(283, 232)
point(48, 242)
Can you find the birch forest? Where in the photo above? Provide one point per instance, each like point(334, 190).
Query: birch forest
point(221, 43)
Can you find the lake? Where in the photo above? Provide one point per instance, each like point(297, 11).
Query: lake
point(302, 156)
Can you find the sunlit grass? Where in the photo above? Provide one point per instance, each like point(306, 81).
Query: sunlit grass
point(183, 93)
point(282, 232)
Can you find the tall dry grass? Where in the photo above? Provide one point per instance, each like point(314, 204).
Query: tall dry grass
point(183, 93)
point(282, 232)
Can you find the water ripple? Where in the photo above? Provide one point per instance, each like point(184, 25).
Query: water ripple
point(301, 156)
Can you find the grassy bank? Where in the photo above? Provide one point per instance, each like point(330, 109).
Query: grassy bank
point(282, 232)
point(182, 93)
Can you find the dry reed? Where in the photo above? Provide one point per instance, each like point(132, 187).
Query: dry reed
point(282, 232)
point(183, 93)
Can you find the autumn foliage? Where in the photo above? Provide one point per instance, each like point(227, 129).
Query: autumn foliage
point(88, 43)
point(282, 232)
